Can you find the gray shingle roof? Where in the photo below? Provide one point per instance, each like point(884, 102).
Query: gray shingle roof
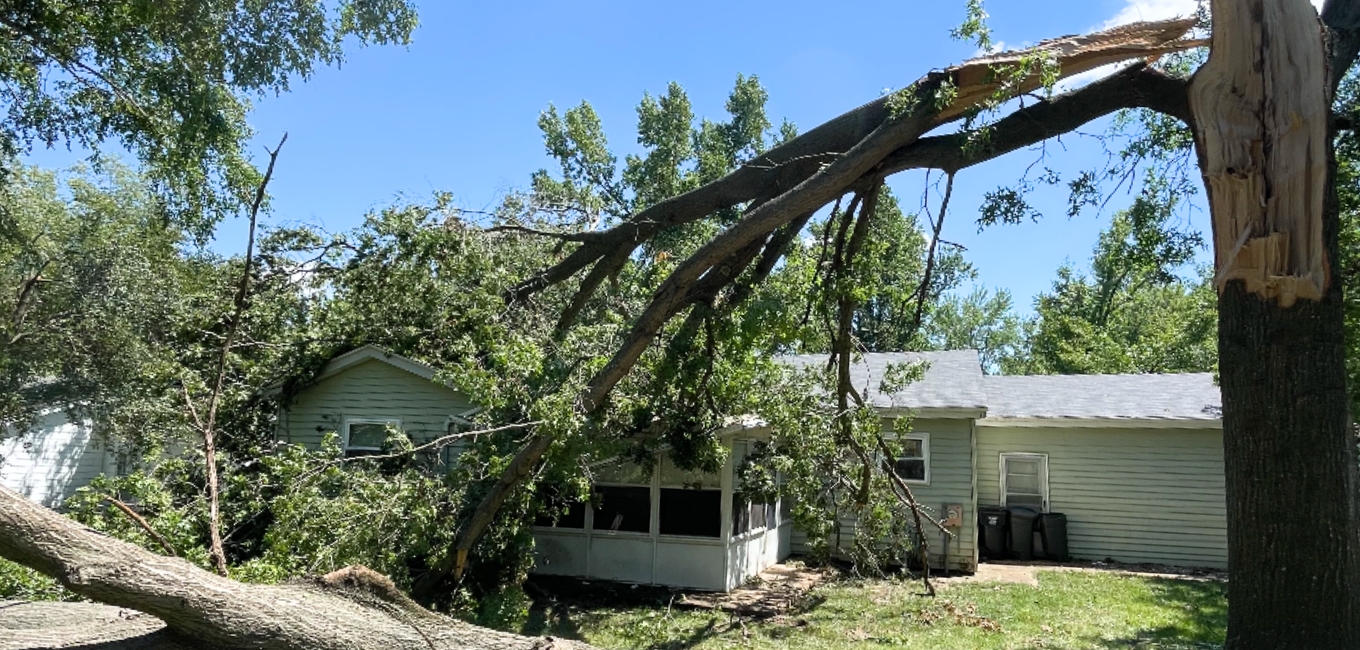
point(952, 381)
point(1105, 397)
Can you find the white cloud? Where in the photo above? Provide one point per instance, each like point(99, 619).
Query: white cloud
point(1136, 10)
point(1132, 12)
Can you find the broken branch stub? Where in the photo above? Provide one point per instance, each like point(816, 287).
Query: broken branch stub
point(1261, 106)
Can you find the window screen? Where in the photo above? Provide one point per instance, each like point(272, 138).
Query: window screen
point(694, 513)
point(672, 476)
point(623, 509)
point(741, 514)
point(911, 464)
point(1025, 478)
point(624, 472)
point(367, 435)
point(748, 516)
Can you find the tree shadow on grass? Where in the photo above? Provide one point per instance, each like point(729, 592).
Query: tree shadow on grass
point(1200, 618)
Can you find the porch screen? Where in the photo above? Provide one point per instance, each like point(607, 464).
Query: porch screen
point(623, 509)
point(691, 502)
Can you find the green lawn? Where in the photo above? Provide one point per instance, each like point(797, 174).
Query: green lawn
point(1068, 610)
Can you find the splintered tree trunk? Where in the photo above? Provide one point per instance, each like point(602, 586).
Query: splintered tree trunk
point(1261, 107)
point(350, 609)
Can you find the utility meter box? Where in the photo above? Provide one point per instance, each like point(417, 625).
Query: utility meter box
point(953, 515)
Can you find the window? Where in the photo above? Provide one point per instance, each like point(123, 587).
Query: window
point(622, 498)
point(913, 463)
point(691, 513)
point(690, 502)
point(623, 509)
point(1024, 481)
point(365, 436)
point(457, 424)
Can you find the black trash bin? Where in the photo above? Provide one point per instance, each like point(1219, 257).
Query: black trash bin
point(1053, 533)
point(1022, 532)
point(993, 528)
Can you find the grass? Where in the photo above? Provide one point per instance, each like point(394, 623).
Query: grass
point(1067, 611)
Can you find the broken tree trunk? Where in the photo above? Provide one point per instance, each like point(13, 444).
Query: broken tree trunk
point(350, 609)
point(1261, 115)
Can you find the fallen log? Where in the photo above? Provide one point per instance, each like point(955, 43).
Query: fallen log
point(184, 606)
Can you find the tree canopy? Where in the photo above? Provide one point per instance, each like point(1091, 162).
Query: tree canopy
point(172, 82)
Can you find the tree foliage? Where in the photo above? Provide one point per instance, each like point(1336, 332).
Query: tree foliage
point(171, 82)
point(1133, 313)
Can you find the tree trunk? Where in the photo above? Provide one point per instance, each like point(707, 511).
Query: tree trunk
point(1261, 108)
point(347, 610)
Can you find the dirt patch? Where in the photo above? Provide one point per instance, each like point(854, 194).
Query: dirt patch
point(775, 591)
point(1026, 573)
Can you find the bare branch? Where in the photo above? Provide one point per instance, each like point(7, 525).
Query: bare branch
point(923, 291)
point(132, 514)
point(214, 400)
point(583, 236)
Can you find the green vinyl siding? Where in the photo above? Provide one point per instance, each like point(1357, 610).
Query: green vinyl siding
point(371, 390)
point(951, 481)
point(1133, 495)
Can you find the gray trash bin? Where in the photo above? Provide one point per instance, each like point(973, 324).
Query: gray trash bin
point(1053, 532)
point(1022, 532)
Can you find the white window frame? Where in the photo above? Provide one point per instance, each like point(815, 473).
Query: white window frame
point(1043, 474)
point(395, 423)
point(924, 437)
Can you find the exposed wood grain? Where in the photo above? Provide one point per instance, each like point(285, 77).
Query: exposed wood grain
point(1262, 104)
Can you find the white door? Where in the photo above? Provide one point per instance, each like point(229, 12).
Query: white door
point(1024, 481)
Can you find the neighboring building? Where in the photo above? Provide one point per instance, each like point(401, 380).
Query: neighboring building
point(1134, 461)
point(49, 462)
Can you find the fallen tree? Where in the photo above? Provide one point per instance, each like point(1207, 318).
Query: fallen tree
point(183, 606)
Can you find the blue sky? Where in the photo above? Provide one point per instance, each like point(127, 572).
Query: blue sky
point(456, 110)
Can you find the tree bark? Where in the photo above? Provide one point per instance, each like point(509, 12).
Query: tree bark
point(1261, 108)
point(350, 609)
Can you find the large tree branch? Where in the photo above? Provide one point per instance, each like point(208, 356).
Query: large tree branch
point(792, 163)
point(1136, 86)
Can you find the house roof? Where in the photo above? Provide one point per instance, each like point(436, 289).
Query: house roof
point(1189, 396)
point(953, 379)
point(359, 355)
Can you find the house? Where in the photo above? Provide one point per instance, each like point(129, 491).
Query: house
point(1134, 461)
point(655, 524)
point(54, 458)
